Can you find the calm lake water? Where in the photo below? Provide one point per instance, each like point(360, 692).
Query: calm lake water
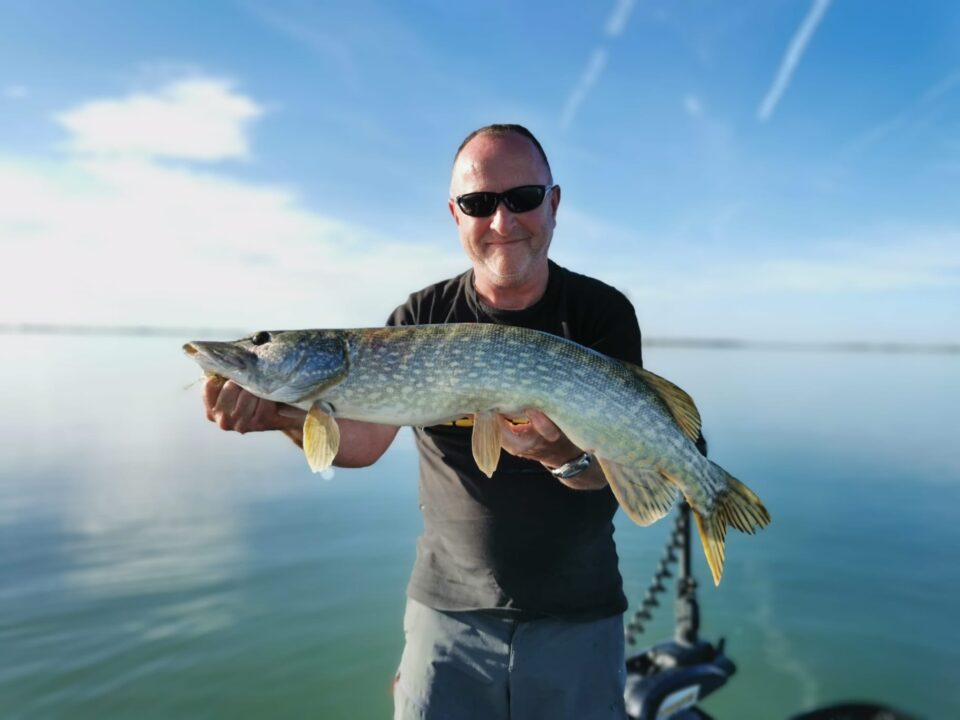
point(152, 566)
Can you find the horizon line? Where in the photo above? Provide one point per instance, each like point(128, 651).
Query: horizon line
point(692, 343)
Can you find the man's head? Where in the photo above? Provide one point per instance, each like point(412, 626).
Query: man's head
point(508, 249)
point(500, 130)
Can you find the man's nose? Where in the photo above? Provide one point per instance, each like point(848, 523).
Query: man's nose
point(503, 221)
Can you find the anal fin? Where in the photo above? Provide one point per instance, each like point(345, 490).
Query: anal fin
point(713, 533)
point(321, 438)
point(486, 442)
point(644, 494)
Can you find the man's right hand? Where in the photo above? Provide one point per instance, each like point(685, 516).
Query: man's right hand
point(233, 408)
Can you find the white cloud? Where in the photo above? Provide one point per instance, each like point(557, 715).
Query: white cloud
point(129, 240)
point(193, 119)
point(617, 20)
point(792, 58)
point(885, 284)
point(591, 73)
point(137, 243)
point(873, 266)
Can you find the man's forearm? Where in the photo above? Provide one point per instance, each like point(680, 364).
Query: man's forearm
point(295, 434)
point(361, 443)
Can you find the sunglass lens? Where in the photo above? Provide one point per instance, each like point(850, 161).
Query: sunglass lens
point(479, 204)
point(524, 199)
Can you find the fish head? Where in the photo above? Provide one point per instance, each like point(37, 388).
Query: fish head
point(286, 366)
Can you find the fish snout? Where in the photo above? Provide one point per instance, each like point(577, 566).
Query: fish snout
point(217, 356)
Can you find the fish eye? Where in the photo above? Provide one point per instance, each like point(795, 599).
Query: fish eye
point(261, 338)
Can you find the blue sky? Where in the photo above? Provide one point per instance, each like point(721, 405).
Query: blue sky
point(769, 170)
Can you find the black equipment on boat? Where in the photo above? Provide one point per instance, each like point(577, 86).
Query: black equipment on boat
point(669, 679)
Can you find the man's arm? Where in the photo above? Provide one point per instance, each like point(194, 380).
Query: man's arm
point(233, 408)
point(361, 443)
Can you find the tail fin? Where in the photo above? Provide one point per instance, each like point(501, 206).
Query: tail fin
point(736, 506)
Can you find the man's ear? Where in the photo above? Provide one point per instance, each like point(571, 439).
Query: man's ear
point(453, 211)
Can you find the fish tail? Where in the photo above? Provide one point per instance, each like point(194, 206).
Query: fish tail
point(736, 506)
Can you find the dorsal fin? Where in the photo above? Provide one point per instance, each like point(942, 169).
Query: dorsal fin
point(677, 401)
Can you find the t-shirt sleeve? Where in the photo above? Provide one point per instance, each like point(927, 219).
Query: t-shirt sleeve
point(406, 314)
point(617, 331)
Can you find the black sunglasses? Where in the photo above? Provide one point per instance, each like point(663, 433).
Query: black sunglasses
point(517, 200)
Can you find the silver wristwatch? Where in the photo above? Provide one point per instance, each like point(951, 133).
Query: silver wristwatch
point(572, 468)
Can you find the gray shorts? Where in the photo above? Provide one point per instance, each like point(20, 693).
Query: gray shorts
point(460, 665)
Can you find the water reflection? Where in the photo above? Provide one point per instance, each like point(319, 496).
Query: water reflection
point(147, 554)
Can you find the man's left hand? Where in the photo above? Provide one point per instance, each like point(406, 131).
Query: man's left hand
point(538, 440)
point(541, 440)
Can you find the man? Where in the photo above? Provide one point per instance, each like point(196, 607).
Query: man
point(515, 602)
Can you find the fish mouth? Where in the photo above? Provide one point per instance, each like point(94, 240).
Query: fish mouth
point(216, 356)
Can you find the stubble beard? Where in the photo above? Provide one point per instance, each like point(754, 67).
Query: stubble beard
point(505, 270)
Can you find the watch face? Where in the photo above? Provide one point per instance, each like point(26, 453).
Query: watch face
point(574, 467)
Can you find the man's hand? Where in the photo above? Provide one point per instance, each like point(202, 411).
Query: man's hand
point(538, 440)
point(233, 408)
point(542, 441)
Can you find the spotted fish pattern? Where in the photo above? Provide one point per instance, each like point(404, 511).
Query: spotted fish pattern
point(641, 428)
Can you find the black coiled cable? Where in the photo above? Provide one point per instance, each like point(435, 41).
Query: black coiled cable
point(657, 587)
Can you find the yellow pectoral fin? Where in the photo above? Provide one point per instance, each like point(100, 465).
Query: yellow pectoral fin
point(486, 442)
point(321, 439)
point(644, 494)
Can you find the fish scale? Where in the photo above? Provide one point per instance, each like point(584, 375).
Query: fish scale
point(641, 428)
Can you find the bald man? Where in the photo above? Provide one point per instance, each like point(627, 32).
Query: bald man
point(515, 604)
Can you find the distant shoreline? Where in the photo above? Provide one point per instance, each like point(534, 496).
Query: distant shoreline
point(852, 346)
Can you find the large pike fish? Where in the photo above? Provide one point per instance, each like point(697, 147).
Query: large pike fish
point(641, 428)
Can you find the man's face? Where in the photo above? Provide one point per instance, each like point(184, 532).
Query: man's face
point(508, 249)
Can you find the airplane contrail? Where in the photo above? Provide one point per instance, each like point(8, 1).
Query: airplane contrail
point(588, 79)
point(792, 58)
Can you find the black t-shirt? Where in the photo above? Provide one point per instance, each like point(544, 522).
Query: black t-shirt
point(520, 542)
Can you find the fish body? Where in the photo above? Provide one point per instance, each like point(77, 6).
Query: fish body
point(641, 428)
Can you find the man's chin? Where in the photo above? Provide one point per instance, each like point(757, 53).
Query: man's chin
point(511, 274)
